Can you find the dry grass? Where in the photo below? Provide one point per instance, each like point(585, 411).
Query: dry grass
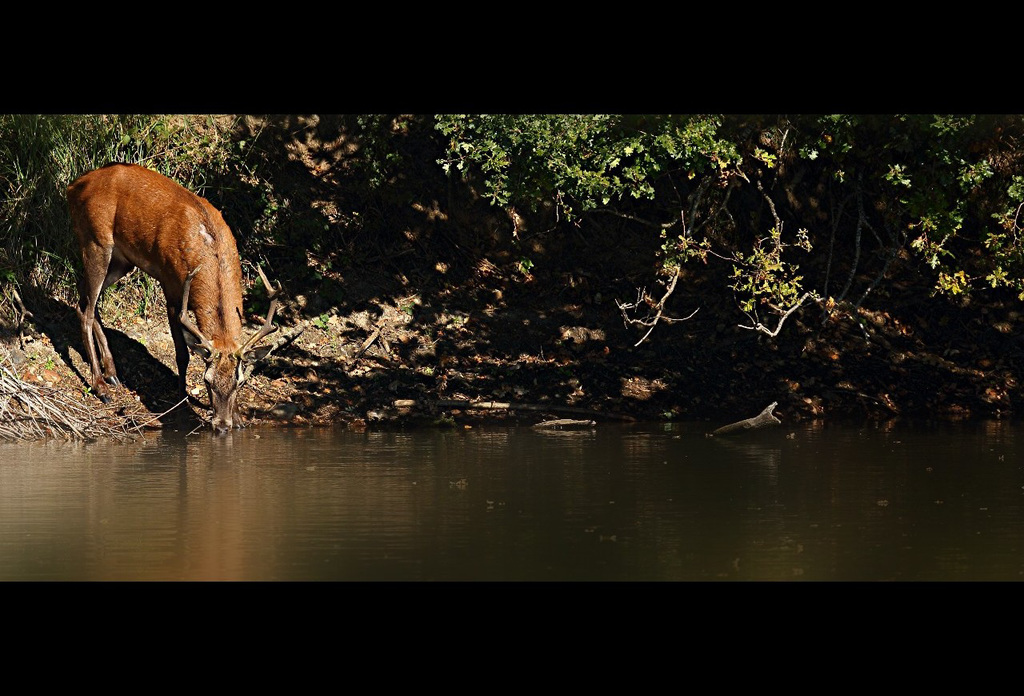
point(33, 412)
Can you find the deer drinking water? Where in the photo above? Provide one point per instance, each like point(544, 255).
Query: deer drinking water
point(127, 216)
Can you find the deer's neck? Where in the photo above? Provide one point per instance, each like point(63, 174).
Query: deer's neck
point(216, 300)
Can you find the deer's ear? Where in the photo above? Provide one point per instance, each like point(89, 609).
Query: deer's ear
point(196, 346)
point(242, 372)
point(257, 354)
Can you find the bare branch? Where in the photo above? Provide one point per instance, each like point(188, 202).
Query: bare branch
point(659, 310)
point(24, 315)
point(861, 218)
point(21, 305)
point(782, 320)
point(1016, 216)
point(634, 218)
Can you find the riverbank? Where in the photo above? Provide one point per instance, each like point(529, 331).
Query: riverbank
point(435, 358)
point(423, 304)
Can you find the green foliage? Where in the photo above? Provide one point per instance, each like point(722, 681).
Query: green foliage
point(37, 162)
point(943, 175)
point(379, 136)
point(928, 183)
point(1005, 244)
point(764, 278)
point(575, 162)
point(829, 137)
point(714, 192)
point(953, 283)
point(682, 249)
point(40, 155)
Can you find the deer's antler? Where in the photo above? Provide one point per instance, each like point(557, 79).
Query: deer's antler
point(183, 317)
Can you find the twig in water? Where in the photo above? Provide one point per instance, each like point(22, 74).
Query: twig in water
point(160, 415)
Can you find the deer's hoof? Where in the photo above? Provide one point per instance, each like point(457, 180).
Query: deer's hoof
point(113, 380)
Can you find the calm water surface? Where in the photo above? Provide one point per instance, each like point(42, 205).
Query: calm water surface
point(641, 502)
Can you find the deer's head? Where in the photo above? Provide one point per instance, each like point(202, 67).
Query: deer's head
point(227, 370)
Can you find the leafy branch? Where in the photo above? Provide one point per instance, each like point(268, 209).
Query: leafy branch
point(766, 279)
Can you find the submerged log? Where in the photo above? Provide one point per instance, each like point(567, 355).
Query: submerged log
point(762, 420)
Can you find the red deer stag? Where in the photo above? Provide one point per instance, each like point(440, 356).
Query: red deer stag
point(125, 216)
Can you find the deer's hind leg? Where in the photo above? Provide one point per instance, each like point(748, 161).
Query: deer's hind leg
point(102, 266)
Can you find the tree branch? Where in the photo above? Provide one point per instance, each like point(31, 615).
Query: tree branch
point(659, 310)
point(782, 320)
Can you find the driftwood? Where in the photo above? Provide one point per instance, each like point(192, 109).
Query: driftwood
point(516, 406)
point(565, 423)
point(762, 420)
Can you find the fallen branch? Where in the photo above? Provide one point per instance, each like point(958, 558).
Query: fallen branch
point(31, 412)
point(367, 343)
point(564, 423)
point(762, 420)
point(282, 341)
point(862, 395)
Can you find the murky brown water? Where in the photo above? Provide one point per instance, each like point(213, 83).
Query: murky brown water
point(645, 502)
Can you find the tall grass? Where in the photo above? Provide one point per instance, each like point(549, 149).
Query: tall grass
point(40, 155)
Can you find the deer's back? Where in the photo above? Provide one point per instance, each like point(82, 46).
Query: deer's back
point(155, 223)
